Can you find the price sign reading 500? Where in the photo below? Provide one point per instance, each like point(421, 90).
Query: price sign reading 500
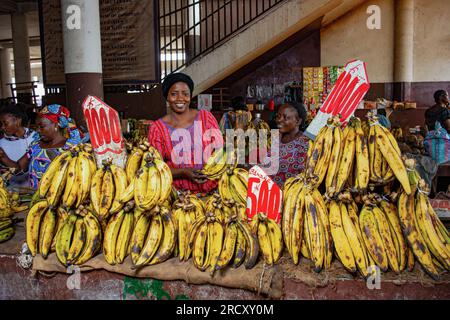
point(263, 195)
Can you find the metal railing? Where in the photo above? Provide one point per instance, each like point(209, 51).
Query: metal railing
point(191, 28)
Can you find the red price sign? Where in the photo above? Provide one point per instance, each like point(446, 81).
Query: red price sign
point(343, 99)
point(105, 131)
point(263, 195)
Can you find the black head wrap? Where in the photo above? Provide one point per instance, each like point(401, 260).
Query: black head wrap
point(173, 78)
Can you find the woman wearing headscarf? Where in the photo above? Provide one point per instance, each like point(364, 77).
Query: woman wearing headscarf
point(182, 149)
point(57, 132)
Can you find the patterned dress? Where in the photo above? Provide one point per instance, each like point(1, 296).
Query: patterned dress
point(171, 143)
point(41, 158)
point(292, 159)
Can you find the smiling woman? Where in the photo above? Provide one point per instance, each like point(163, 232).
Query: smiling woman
point(293, 145)
point(180, 135)
point(57, 132)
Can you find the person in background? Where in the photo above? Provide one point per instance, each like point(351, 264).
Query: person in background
point(294, 144)
point(383, 119)
point(16, 138)
point(57, 132)
point(177, 90)
point(438, 112)
point(238, 103)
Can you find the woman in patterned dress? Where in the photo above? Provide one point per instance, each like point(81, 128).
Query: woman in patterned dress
point(57, 132)
point(15, 139)
point(182, 135)
point(293, 144)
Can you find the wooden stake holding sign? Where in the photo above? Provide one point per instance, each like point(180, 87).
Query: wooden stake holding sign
point(105, 131)
point(263, 195)
point(347, 93)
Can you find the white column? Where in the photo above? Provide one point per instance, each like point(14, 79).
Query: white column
point(404, 44)
point(81, 30)
point(82, 53)
point(5, 73)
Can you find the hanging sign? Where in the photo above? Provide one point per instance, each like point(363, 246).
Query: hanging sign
point(350, 88)
point(105, 131)
point(263, 195)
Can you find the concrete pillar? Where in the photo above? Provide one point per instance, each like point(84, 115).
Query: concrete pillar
point(404, 49)
point(5, 73)
point(82, 53)
point(21, 49)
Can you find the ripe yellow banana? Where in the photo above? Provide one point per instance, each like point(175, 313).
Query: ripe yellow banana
point(64, 238)
point(152, 242)
point(70, 192)
point(93, 238)
point(83, 179)
point(108, 190)
point(139, 236)
point(391, 155)
point(47, 232)
point(133, 163)
point(55, 166)
point(168, 243)
point(33, 225)
point(96, 189)
point(341, 242)
point(372, 238)
point(110, 237)
point(78, 241)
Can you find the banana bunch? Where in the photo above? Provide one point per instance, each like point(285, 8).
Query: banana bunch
point(137, 157)
point(5, 202)
point(151, 184)
point(7, 230)
point(305, 225)
point(108, 186)
point(270, 238)
point(385, 159)
point(68, 177)
point(41, 227)
point(397, 133)
point(263, 125)
point(233, 185)
point(319, 154)
point(218, 163)
point(186, 210)
point(427, 237)
point(79, 237)
point(240, 245)
point(342, 159)
point(382, 234)
point(347, 237)
point(117, 236)
point(154, 237)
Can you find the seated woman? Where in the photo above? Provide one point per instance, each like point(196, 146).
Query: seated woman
point(16, 138)
point(57, 133)
point(438, 112)
point(293, 144)
point(164, 136)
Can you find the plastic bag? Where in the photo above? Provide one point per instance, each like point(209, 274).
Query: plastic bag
point(437, 144)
